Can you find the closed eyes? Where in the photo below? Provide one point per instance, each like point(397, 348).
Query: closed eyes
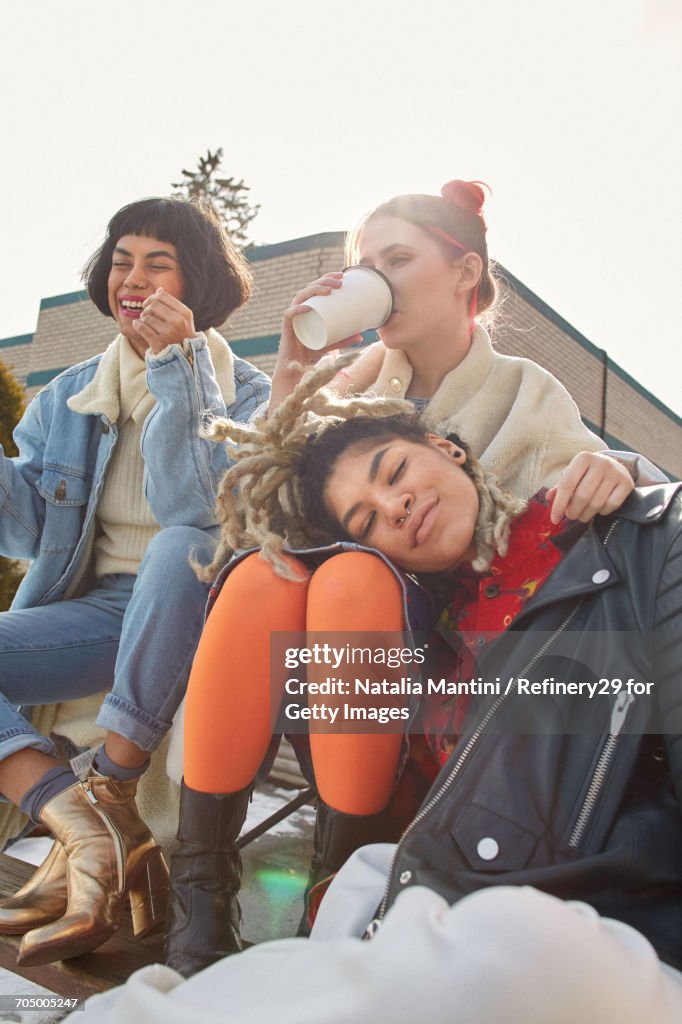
point(393, 478)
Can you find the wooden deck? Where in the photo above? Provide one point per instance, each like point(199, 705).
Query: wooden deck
point(85, 975)
point(272, 868)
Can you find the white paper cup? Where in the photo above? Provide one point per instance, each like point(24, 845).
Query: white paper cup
point(362, 303)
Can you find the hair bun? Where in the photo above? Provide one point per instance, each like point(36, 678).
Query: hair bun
point(468, 194)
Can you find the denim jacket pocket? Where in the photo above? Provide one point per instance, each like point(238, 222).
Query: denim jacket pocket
point(62, 488)
point(490, 842)
point(66, 497)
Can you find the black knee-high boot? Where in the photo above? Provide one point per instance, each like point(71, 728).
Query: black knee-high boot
point(338, 835)
point(203, 917)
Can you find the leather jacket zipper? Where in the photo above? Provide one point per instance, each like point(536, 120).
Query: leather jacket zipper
point(617, 719)
point(374, 925)
point(618, 716)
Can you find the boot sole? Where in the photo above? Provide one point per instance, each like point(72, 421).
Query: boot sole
point(66, 950)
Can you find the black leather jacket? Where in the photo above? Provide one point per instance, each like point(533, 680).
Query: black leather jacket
point(578, 797)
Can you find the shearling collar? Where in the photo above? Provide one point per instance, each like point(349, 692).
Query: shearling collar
point(388, 373)
point(223, 366)
point(102, 395)
point(457, 386)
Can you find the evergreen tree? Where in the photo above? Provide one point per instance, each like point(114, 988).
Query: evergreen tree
point(11, 408)
point(227, 195)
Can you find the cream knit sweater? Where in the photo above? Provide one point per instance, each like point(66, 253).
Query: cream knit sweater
point(126, 522)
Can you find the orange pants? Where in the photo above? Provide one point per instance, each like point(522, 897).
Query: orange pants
point(228, 708)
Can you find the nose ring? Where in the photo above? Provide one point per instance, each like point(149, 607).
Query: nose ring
point(408, 512)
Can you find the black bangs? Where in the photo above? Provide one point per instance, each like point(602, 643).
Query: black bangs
point(153, 218)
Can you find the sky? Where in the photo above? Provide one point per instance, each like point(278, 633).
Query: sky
point(570, 112)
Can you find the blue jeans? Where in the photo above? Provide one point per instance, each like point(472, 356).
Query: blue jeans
point(132, 635)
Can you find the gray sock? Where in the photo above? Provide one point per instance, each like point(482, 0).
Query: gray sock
point(50, 784)
point(105, 766)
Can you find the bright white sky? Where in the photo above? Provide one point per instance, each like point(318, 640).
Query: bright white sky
point(571, 113)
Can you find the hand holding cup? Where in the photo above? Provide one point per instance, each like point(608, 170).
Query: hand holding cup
point(330, 313)
point(363, 302)
point(291, 348)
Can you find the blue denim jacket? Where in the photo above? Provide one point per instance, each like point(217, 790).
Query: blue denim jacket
point(49, 492)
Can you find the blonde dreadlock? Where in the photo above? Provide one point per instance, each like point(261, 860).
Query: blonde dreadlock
point(259, 499)
point(497, 508)
point(260, 502)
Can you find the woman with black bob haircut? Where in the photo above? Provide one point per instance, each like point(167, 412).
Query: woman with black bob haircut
point(217, 278)
point(112, 488)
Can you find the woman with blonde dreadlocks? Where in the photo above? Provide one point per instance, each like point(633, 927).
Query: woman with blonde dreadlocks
point(541, 880)
point(228, 727)
point(277, 498)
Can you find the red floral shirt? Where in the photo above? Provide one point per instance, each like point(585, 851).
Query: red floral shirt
point(482, 607)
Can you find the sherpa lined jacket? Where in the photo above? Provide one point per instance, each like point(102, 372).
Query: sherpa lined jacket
point(519, 421)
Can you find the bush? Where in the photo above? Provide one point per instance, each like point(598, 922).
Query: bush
point(11, 409)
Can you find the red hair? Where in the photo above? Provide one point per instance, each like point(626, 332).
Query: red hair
point(468, 194)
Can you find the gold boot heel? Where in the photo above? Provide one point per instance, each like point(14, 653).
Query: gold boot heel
point(108, 848)
point(148, 896)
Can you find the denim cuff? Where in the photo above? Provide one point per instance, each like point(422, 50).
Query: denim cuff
point(133, 723)
point(12, 741)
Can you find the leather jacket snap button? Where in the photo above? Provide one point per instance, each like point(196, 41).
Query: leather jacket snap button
point(394, 384)
point(488, 848)
point(405, 877)
point(601, 576)
point(654, 511)
point(491, 590)
point(105, 428)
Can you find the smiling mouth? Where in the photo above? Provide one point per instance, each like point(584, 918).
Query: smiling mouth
point(131, 307)
point(422, 520)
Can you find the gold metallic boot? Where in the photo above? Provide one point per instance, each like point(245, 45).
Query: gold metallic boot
point(41, 900)
point(111, 856)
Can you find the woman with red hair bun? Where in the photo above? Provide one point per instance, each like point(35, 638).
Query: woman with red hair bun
point(435, 351)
